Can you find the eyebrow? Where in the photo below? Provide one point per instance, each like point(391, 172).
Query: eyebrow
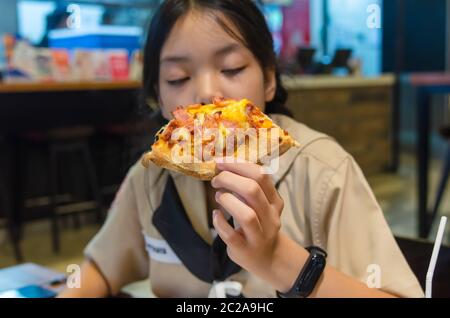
point(184, 59)
point(227, 49)
point(175, 59)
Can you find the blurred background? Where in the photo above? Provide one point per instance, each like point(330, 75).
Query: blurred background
point(370, 73)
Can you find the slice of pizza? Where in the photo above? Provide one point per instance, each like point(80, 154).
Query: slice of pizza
point(200, 134)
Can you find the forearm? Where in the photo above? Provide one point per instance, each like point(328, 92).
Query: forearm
point(93, 285)
point(290, 257)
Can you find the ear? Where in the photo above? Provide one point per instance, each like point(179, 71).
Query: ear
point(270, 85)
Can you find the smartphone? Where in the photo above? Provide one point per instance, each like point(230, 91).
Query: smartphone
point(31, 291)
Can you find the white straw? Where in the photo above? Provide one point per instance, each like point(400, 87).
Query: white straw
point(434, 256)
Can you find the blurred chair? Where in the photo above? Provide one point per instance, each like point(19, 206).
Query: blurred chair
point(6, 210)
point(305, 59)
point(445, 133)
point(62, 143)
point(132, 139)
point(340, 60)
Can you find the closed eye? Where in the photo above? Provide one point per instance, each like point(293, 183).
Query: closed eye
point(234, 71)
point(178, 82)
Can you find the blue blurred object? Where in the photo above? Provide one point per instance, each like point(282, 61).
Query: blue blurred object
point(106, 37)
point(15, 75)
point(31, 291)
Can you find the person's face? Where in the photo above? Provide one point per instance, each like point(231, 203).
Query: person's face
point(200, 60)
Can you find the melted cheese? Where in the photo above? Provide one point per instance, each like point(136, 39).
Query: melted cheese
point(230, 110)
point(233, 111)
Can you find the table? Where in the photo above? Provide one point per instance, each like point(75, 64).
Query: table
point(35, 107)
point(427, 85)
point(27, 274)
point(66, 86)
point(23, 275)
point(417, 254)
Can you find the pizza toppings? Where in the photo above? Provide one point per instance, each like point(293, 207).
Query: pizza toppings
point(223, 128)
point(224, 115)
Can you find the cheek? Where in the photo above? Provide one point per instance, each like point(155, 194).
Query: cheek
point(163, 102)
point(250, 86)
point(169, 101)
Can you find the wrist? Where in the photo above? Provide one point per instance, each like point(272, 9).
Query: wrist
point(287, 261)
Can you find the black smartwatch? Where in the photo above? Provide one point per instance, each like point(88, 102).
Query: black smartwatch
point(309, 275)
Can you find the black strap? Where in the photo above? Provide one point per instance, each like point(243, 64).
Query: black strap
point(206, 262)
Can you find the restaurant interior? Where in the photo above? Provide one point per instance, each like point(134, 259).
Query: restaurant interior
point(373, 74)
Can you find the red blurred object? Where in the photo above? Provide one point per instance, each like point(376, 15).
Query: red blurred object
point(296, 31)
point(9, 42)
point(119, 65)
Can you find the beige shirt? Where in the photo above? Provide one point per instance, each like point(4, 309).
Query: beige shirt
point(327, 202)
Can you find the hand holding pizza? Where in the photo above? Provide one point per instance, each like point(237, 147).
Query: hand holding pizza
point(244, 191)
point(253, 201)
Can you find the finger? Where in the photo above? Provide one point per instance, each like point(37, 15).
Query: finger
point(252, 171)
point(246, 188)
point(230, 236)
point(242, 214)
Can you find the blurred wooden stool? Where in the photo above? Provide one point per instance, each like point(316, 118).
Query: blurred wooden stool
point(120, 133)
point(445, 133)
point(6, 210)
point(132, 139)
point(73, 141)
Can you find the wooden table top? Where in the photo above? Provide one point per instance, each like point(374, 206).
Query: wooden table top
point(68, 86)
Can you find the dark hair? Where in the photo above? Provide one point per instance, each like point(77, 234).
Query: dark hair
point(246, 17)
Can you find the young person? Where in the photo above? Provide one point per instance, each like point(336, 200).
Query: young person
point(162, 225)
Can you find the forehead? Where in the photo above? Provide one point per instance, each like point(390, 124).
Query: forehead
point(200, 32)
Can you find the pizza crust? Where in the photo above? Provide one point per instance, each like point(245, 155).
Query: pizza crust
point(203, 170)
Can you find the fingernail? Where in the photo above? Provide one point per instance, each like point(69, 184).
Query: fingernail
point(215, 213)
point(218, 194)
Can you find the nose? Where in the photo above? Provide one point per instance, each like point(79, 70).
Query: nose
point(207, 88)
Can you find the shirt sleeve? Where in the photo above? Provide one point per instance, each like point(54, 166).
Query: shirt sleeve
point(118, 249)
point(358, 239)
